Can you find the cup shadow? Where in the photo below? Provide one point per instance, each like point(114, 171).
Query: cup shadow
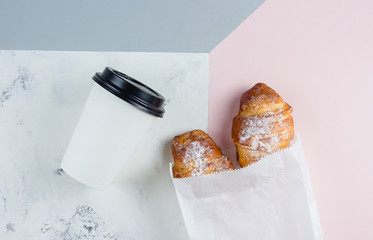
point(154, 193)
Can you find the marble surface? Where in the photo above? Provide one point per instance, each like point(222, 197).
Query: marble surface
point(41, 97)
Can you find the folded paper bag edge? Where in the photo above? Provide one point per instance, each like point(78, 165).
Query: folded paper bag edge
point(261, 162)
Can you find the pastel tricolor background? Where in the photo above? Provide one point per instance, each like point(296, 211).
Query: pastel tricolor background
point(318, 55)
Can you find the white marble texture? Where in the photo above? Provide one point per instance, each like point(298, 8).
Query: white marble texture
point(41, 97)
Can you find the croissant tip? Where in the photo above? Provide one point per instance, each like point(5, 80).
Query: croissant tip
point(260, 84)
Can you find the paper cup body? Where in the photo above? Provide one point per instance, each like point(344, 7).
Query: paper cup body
point(106, 135)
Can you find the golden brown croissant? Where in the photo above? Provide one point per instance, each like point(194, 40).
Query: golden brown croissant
point(263, 125)
point(195, 154)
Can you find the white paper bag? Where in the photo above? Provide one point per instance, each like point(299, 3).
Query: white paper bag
point(271, 199)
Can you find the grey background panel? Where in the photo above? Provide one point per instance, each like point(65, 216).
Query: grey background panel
point(127, 25)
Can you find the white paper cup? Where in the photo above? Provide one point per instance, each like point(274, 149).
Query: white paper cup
point(117, 113)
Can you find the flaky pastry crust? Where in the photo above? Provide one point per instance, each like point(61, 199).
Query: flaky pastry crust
point(196, 154)
point(263, 125)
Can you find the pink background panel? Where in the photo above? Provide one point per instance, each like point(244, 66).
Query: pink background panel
point(318, 55)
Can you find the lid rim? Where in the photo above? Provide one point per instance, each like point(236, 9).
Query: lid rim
point(151, 104)
point(123, 75)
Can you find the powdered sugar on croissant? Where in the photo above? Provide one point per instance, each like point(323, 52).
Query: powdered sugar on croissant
point(263, 125)
point(196, 154)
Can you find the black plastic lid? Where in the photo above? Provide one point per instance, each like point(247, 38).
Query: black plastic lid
point(131, 91)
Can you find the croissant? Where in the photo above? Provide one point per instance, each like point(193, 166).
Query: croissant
point(263, 125)
point(195, 154)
